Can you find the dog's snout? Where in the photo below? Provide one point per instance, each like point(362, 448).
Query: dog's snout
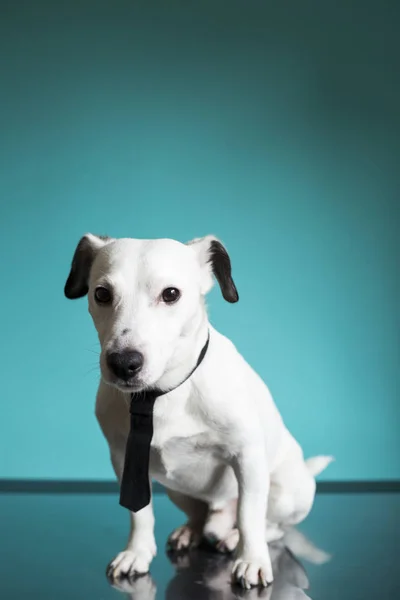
point(125, 365)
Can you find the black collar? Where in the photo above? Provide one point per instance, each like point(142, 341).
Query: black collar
point(135, 484)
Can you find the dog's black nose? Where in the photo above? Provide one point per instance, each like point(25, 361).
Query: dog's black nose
point(125, 365)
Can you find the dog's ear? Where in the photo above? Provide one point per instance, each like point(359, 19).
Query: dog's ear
point(214, 260)
point(77, 284)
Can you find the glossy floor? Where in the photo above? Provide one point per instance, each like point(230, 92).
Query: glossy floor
point(57, 546)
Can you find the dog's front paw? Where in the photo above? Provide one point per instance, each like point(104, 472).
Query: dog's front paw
point(131, 562)
point(184, 537)
point(249, 571)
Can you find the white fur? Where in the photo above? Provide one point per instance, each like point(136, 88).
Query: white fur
point(220, 446)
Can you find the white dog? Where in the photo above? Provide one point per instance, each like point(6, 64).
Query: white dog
point(219, 446)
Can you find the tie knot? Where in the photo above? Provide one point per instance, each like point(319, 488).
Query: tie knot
point(143, 403)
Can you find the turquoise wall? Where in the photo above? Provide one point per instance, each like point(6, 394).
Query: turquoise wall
point(273, 125)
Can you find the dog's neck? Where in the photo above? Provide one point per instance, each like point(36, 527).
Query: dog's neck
point(186, 356)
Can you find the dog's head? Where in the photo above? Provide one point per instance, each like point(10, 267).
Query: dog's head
point(146, 298)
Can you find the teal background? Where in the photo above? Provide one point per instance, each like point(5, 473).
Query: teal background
point(274, 125)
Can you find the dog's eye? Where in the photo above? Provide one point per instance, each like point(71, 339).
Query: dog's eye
point(102, 295)
point(170, 295)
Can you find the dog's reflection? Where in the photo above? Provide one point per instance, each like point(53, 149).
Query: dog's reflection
point(204, 575)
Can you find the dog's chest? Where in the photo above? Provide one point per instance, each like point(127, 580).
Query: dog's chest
point(185, 450)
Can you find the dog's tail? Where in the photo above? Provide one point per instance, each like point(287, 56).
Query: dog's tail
point(302, 547)
point(317, 464)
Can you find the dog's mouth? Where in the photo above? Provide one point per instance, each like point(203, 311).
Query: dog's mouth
point(128, 387)
point(131, 386)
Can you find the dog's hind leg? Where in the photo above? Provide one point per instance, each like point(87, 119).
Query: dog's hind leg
point(292, 490)
point(220, 529)
point(189, 534)
point(291, 497)
point(220, 522)
point(215, 525)
point(229, 543)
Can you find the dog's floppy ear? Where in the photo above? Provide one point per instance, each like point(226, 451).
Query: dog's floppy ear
point(214, 260)
point(77, 284)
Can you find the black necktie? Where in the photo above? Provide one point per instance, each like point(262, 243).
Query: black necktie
point(135, 485)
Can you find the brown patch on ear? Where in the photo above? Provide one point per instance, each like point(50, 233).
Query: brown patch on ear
point(221, 267)
point(78, 279)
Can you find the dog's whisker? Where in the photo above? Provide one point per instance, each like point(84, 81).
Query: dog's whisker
point(93, 351)
point(92, 370)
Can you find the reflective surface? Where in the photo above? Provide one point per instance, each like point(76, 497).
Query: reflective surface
point(57, 546)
